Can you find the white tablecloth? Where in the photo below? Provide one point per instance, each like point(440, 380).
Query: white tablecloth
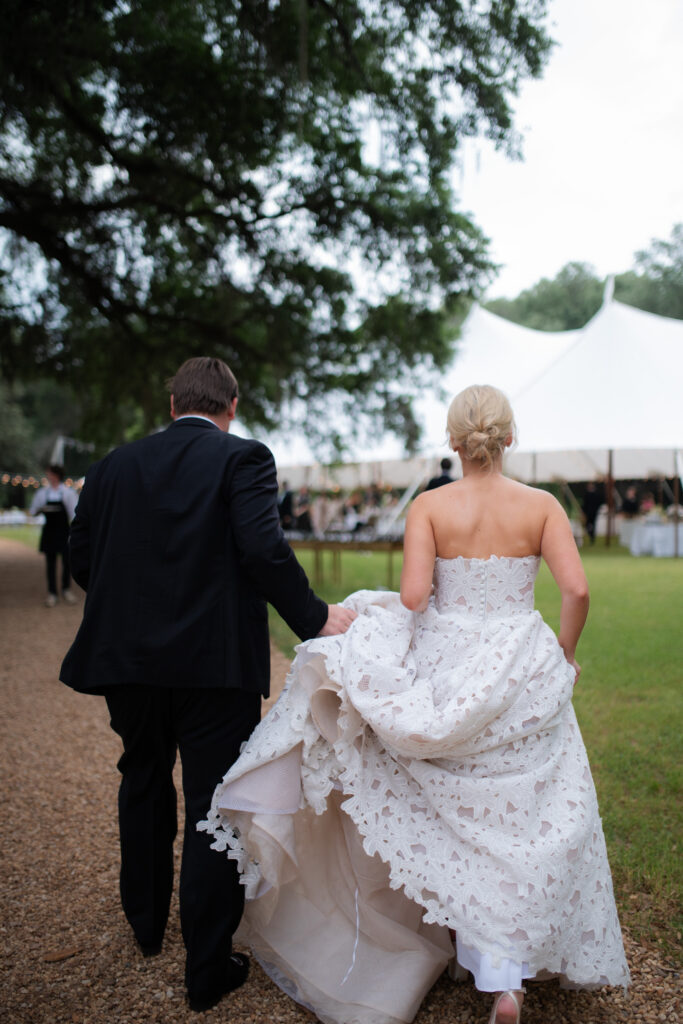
point(656, 539)
point(625, 530)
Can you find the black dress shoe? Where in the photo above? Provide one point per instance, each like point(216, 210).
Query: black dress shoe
point(238, 969)
point(150, 948)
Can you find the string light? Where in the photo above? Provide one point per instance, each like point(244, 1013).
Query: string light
point(18, 480)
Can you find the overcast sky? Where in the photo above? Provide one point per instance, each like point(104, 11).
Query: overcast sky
point(602, 173)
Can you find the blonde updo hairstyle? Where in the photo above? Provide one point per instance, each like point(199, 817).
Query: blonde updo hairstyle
point(480, 421)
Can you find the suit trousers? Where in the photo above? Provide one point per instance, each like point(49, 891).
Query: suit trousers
point(207, 727)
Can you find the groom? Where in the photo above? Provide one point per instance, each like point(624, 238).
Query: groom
point(177, 542)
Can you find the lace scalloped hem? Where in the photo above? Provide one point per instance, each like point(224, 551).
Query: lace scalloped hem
point(231, 840)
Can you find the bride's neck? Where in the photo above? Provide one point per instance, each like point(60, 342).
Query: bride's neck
point(480, 470)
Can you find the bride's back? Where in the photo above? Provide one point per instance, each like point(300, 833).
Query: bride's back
point(486, 514)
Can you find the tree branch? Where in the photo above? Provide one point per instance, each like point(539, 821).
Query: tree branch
point(346, 39)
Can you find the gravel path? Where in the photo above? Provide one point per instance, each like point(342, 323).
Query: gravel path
point(67, 954)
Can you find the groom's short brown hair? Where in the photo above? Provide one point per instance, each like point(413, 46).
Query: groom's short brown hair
point(204, 385)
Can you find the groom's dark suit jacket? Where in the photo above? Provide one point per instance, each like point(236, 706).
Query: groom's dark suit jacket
point(177, 542)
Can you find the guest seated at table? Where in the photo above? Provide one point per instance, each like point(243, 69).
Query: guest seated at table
point(630, 506)
point(353, 520)
point(373, 497)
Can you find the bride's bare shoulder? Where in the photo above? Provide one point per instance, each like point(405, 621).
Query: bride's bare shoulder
point(533, 494)
point(438, 495)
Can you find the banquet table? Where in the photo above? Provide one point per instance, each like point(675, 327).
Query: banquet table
point(657, 539)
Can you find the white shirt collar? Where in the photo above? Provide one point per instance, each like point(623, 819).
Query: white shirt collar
point(197, 416)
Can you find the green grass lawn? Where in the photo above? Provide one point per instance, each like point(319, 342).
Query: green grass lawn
point(29, 535)
point(629, 702)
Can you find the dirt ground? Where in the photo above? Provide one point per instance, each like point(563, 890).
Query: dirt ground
point(67, 955)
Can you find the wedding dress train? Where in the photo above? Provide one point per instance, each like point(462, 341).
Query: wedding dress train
point(419, 773)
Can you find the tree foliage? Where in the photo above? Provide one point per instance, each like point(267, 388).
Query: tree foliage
point(33, 414)
point(16, 439)
point(190, 176)
point(562, 303)
point(656, 284)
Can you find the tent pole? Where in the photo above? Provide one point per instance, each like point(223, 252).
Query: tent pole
point(677, 499)
point(610, 497)
point(574, 505)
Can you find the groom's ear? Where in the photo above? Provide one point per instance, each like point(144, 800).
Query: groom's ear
point(173, 412)
point(232, 408)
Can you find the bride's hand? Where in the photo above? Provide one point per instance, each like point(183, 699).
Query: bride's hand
point(338, 620)
point(577, 668)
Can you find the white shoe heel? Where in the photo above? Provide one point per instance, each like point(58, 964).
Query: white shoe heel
point(514, 995)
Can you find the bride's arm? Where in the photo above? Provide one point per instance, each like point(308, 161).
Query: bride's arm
point(559, 550)
point(419, 553)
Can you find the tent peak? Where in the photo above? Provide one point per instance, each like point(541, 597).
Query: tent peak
point(608, 293)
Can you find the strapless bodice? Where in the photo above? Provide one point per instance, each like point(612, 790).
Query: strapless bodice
point(483, 588)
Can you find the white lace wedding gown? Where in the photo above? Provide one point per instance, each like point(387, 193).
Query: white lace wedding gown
point(421, 772)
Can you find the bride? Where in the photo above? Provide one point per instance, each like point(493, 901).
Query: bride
point(420, 796)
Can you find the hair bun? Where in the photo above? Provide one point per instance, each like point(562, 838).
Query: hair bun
point(480, 421)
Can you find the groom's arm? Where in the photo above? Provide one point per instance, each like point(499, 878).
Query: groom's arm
point(79, 534)
point(251, 494)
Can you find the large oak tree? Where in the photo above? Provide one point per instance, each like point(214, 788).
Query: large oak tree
point(266, 180)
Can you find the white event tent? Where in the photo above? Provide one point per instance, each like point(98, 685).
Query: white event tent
point(614, 386)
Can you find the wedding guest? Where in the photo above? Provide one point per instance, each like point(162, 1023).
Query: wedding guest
point(373, 497)
point(630, 506)
point(321, 513)
point(285, 505)
point(443, 478)
point(592, 501)
point(57, 503)
point(302, 511)
point(353, 518)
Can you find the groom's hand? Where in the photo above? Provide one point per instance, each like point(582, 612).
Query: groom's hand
point(338, 620)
